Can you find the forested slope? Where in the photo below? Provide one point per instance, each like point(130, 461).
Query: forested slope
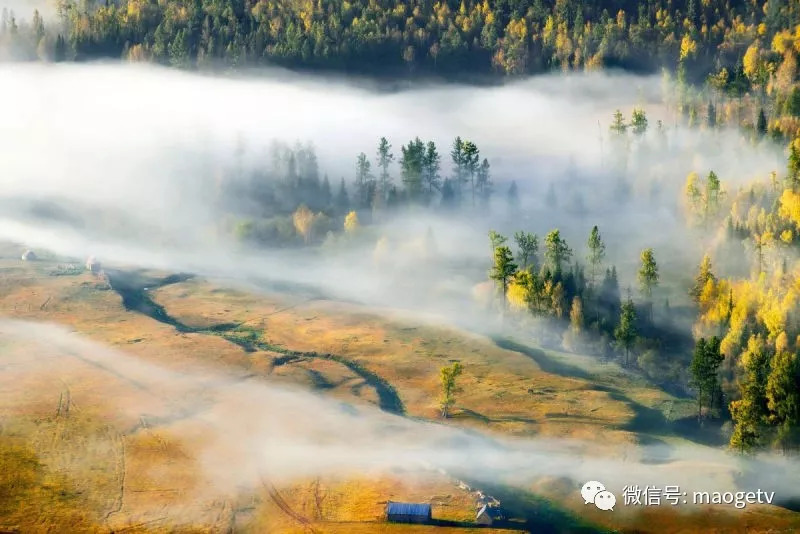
point(420, 36)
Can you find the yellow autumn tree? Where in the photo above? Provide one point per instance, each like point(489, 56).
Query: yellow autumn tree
point(790, 206)
point(303, 219)
point(688, 47)
point(351, 224)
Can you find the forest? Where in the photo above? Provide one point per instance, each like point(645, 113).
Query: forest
point(464, 37)
point(740, 361)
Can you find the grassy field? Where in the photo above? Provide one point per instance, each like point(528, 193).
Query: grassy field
point(76, 457)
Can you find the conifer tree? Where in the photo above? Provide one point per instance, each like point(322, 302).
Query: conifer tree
point(597, 253)
point(431, 165)
point(750, 412)
point(513, 197)
point(625, 332)
point(342, 198)
point(648, 278)
point(706, 360)
point(527, 248)
point(556, 250)
point(503, 269)
point(783, 398)
point(761, 123)
point(385, 158)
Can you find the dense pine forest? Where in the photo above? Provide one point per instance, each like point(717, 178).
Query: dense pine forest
point(752, 41)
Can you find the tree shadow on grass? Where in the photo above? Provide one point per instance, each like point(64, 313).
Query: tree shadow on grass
point(532, 513)
point(545, 362)
point(708, 432)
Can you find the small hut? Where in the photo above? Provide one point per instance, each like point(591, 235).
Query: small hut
point(93, 265)
point(401, 512)
point(29, 255)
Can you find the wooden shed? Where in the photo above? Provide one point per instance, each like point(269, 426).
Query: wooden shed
point(402, 512)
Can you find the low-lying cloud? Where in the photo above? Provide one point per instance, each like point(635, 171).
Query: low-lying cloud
point(254, 430)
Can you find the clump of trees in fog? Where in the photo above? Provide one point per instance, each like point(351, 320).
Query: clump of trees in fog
point(553, 290)
point(290, 200)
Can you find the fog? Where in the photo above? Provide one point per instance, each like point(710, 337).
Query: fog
point(23, 9)
point(120, 161)
point(246, 432)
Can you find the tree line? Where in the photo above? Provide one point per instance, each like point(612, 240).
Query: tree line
point(419, 36)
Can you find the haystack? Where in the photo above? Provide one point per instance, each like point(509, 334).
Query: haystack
point(29, 255)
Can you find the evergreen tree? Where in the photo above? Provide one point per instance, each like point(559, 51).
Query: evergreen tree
point(618, 126)
point(527, 248)
point(503, 269)
point(711, 116)
point(471, 157)
point(385, 158)
point(597, 253)
point(648, 278)
point(496, 240)
point(342, 199)
point(793, 177)
point(638, 122)
point(783, 399)
point(750, 412)
point(60, 51)
point(761, 123)
point(457, 157)
point(513, 197)
point(705, 364)
point(326, 197)
point(609, 298)
point(556, 250)
point(411, 168)
point(432, 166)
point(484, 183)
point(792, 106)
point(712, 196)
point(625, 332)
point(365, 185)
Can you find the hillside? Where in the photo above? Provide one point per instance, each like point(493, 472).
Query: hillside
point(89, 444)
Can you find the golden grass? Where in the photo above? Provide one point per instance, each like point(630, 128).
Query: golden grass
point(502, 391)
point(66, 473)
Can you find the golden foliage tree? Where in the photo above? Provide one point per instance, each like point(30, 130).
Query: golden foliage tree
point(351, 224)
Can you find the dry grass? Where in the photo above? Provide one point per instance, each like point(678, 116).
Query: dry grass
point(101, 468)
point(502, 391)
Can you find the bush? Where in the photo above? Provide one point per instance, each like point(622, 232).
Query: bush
point(275, 231)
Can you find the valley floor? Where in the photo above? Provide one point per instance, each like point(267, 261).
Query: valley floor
point(104, 444)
